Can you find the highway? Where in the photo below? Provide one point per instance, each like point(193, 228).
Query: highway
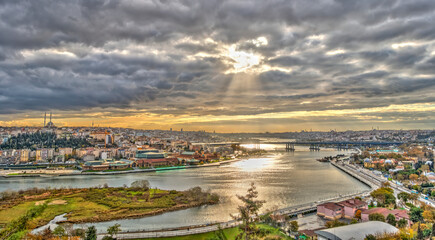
point(378, 180)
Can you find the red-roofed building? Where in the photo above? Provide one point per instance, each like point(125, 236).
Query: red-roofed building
point(346, 209)
point(330, 210)
point(398, 213)
point(350, 206)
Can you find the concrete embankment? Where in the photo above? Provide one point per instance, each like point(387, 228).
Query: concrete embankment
point(357, 175)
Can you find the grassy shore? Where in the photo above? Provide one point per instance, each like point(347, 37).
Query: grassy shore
point(97, 204)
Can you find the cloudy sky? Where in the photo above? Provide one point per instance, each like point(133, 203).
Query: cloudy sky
point(228, 66)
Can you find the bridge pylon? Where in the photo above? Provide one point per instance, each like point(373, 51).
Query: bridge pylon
point(290, 147)
point(314, 147)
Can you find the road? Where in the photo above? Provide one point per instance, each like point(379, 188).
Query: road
point(171, 233)
point(380, 179)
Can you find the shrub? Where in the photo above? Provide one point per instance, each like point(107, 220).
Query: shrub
point(376, 217)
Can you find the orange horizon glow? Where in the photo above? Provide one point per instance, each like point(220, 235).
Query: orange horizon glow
point(225, 123)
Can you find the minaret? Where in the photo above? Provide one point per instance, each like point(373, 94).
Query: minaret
point(50, 116)
point(45, 118)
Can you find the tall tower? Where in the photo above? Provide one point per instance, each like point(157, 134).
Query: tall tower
point(50, 116)
point(45, 118)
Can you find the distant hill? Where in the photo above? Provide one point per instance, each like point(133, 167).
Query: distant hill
point(43, 140)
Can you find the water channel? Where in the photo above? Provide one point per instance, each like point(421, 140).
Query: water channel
point(283, 179)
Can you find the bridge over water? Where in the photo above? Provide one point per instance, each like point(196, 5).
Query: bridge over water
point(349, 143)
point(313, 145)
point(321, 143)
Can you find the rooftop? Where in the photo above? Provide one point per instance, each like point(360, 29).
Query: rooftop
point(357, 231)
point(352, 203)
point(331, 205)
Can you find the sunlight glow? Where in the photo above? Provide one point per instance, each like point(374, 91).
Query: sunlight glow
point(261, 41)
point(242, 60)
point(335, 52)
point(404, 44)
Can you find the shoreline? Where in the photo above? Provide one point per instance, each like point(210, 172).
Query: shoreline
point(210, 226)
point(354, 175)
point(54, 175)
point(156, 208)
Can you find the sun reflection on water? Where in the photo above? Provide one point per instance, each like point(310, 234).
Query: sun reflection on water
point(255, 164)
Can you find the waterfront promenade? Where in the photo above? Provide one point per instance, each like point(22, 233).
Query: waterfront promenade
point(60, 173)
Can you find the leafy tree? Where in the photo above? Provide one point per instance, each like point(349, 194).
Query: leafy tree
point(384, 195)
point(358, 214)
point(413, 177)
point(334, 223)
point(428, 216)
point(91, 233)
point(294, 226)
point(143, 184)
point(113, 230)
point(402, 223)
point(415, 214)
point(59, 231)
point(400, 177)
point(404, 196)
point(370, 237)
point(37, 140)
point(79, 233)
point(249, 214)
point(353, 221)
point(413, 197)
point(376, 217)
point(427, 232)
point(391, 219)
point(419, 233)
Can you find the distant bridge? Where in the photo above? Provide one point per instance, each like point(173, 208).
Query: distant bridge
point(349, 143)
point(317, 143)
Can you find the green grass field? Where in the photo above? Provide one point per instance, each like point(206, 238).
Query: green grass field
point(99, 204)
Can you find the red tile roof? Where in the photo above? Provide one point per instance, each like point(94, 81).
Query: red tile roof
point(399, 213)
point(353, 203)
point(331, 206)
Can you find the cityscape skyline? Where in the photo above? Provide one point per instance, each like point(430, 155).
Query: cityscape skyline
point(219, 65)
point(217, 119)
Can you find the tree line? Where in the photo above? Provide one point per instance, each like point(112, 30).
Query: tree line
point(37, 140)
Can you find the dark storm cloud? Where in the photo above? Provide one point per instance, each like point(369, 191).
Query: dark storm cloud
point(118, 54)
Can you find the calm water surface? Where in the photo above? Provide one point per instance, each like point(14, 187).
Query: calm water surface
point(282, 180)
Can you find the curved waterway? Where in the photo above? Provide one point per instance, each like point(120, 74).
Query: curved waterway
point(282, 179)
